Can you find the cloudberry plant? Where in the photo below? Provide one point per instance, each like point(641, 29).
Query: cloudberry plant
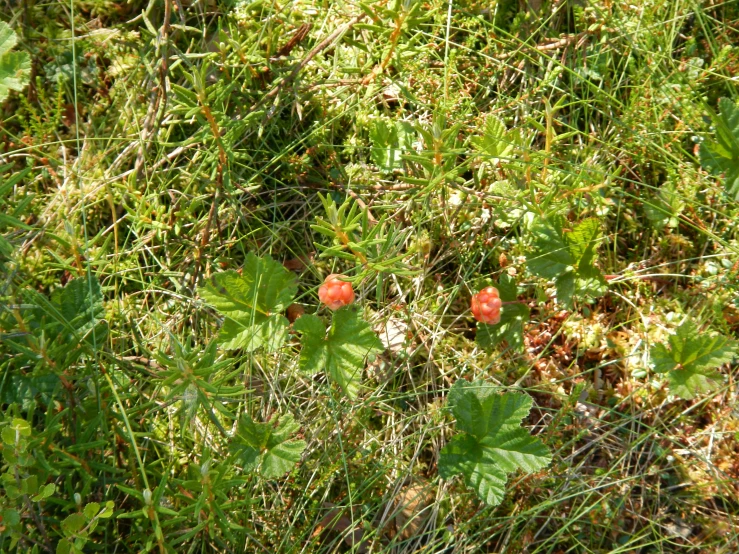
point(336, 293)
point(486, 305)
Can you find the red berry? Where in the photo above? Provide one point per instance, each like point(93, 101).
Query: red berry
point(486, 306)
point(335, 293)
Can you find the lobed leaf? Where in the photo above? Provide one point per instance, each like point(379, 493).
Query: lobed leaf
point(269, 447)
point(250, 303)
point(70, 323)
point(496, 142)
point(389, 142)
point(692, 360)
point(721, 156)
point(492, 443)
point(566, 256)
point(15, 67)
point(343, 352)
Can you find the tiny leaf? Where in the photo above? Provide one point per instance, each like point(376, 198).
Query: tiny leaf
point(10, 517)
point(45, 492)
point(73, 523)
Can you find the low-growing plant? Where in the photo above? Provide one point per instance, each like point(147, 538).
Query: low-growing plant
point(692, 360)
point(15, 67)
point(374, 277)
point(720, 155)
point(491, 442)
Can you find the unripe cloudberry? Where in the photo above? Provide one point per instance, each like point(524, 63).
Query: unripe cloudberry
point(486, 306)
point(335, 293)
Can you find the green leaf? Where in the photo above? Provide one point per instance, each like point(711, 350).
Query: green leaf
point(11, 517)
point(23, 389)
point(45, 492)
point(492, 443)
point(582, 241)
point(664, 208)
point(343, 352)
point(91, 510)
point(75, 319)
point(496, 142)
point(29, 485)
point(513, 317)
point(15, 67)
point(389, 142)
point(251, 303)
point(9, 436)
point(108, 511)
point(551, 256)
point(566, 256)
point(73, 523)
point(269, 447)
point(69, 324)
point(692, 360)
point(63, 547)
point(21, 426)
point(721, 156)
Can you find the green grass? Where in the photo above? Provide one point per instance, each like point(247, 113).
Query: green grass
point(162, 142)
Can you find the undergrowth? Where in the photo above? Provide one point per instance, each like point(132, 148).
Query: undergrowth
point(178, 178)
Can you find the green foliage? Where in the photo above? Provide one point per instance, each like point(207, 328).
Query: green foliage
point(24, 389)
point(566, 256)
point(10, 211)
point(438, 163)
point(497, 145)
point(24, 490)
point(664, 208)
point(15, 67)
point(424, 136)
point(491, 443)
point(251, 303)
point(389, 142)
point(57, 331)
point(377, 247)
point(268, 446)
point(513, 317)
point(343, 352)
point(721, 156)
point(78, 526)
point(198, 380)
point(692, 360)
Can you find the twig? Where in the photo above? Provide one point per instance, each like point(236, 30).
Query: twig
point(299, 35)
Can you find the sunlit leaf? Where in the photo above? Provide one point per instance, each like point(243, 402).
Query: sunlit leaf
point(15, 67)
point(343, 352)
point(721, 156)
point(252, 303)
point(491, 443)
point(692, 360)
point(565, 254)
